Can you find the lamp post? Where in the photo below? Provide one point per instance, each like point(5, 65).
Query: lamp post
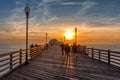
point(64, 39)
point(27, 11)
point(46, 38)
point(75, 35)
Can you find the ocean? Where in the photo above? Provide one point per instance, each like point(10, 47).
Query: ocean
point(112, 47)
point(4, 48)
point(8, 48)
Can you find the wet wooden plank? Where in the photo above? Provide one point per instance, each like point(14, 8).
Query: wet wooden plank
point(51, 65)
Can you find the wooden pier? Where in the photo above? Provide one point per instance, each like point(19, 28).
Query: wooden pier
point(51, 65)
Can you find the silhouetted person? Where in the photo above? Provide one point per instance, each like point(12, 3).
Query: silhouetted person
point(46, 46)
point(74, 50)
point(78, 48)
point(36, 45)
point(31, 46)
point(62, 48)
point(67, 50)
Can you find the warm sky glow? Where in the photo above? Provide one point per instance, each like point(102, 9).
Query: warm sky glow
point(98, 21)
point(69, 34)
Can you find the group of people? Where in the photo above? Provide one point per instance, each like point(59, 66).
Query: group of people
point(67, 49)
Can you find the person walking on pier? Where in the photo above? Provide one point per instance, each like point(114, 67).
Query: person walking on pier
point(74, 50)
point(67, 50)
point(62, 49)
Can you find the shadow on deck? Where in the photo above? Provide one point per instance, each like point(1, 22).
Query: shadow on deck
point(51, 65)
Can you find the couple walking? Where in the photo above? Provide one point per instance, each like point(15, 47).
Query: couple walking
point(65, 49)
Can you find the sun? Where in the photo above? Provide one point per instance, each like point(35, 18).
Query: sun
point(69, 34)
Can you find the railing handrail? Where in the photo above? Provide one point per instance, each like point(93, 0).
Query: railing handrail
point(8, 53)
point(107, 55)
point(13, 52)
point(16, 58)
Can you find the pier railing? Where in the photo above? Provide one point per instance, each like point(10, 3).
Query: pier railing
point(11, 60)
point(108, 56)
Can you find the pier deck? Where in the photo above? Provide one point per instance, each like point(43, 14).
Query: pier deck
point(51, 65)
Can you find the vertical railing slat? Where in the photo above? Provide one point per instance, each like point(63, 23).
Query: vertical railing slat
point(108, 56)
point(92, 53)
point(11, 61)
point(99, 55)
point(20, 56)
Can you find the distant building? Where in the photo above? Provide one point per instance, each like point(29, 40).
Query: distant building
point(54, 42)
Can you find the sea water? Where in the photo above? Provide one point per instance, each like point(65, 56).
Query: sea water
point(112, 47)
point(4, 48)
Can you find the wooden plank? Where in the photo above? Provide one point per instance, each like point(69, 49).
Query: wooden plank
point(102, 50)
point(114, 55)
point(15, 60)
point(15, 63)
point(5, 64)
point(4, 59)
point(115, 59)
point(115, 62)
point(15, 56)
point(33, 74)
point(5, 68)
point(6, 54)
point(102, 53)
point(105, 55)
point(104, 58)
point(116, 52)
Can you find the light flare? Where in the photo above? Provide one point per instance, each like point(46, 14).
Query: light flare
point(69, 35)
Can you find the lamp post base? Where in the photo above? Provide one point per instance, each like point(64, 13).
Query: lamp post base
point(26, 62)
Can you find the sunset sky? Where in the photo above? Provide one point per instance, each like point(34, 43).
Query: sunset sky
point(97, 21)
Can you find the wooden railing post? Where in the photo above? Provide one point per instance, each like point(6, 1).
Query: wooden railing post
point(20, 56)
point(108, 56)
point(11, 61)
point(99, 55)
point(30, 52)
point(85, 50)
point(92, 53)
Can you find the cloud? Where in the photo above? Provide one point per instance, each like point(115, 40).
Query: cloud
point(47, 12)
point(6, 27)
point(40, 13)
point(18, 2)
point(71, 3)
point(106, 22)
point(13, 26)
point(62, 11)
point(52, 18)
point(46, 1)
point(85, 6)
point(100, 24)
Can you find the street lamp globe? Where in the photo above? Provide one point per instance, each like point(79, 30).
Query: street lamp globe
point(27, 9)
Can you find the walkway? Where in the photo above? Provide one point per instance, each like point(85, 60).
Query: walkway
point(51, 65)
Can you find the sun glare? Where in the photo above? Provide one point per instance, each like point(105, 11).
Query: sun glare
point(69, 34)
